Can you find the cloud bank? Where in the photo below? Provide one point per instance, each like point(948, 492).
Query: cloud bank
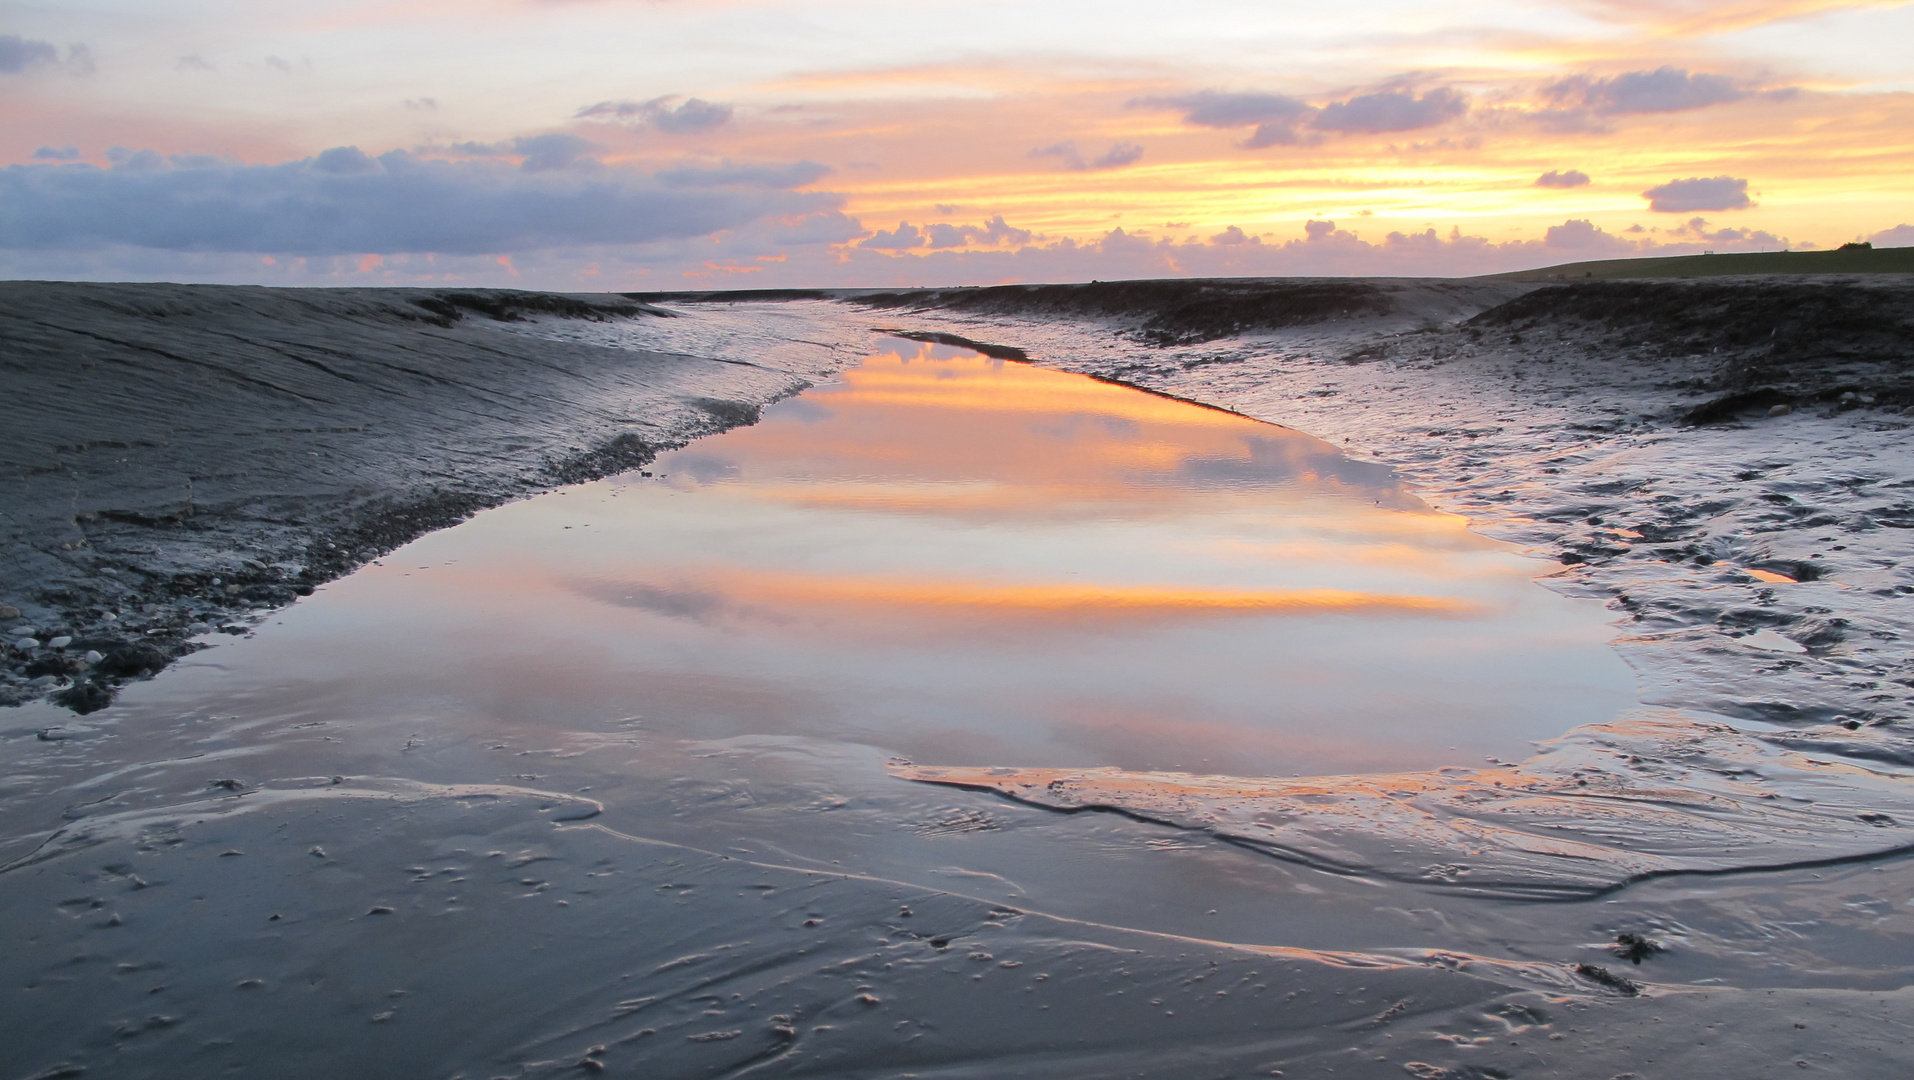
point(1898, 236)
point(826, 247)
point(1665, 89)
point(345, 201)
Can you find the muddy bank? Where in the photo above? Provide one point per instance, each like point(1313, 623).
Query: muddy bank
point(1781, 339)
point(182, 459)
point(1724, 463)
point(1753, 342)
point(1188, 311)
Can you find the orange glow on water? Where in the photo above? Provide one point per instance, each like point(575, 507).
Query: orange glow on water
point(932, 431)
point(865, 595)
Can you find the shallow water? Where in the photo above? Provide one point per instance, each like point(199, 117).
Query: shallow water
point(942, 558)
point(956, 559)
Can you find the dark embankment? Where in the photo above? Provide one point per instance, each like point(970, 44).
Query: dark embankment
point(1757, 342)
point(1848, 259)
point(1754, 342)
point(181, 458)
point(736, 296)
point(1185, 311)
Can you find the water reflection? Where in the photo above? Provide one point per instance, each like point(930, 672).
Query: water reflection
point(961, 559)
point(951, 559)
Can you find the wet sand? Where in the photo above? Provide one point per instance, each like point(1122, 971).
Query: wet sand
point(172, 911)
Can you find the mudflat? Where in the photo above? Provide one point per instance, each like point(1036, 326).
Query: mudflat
point(181, 456)
point(448, 872)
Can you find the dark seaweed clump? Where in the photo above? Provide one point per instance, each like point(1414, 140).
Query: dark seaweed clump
point(1601, 976)
point(1635, 948)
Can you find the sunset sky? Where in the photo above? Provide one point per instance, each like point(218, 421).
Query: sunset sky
point(657, 144)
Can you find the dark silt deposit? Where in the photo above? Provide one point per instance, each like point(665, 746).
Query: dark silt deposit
point(181, 458)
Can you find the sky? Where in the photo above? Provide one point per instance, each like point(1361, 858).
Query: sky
point(706, 144)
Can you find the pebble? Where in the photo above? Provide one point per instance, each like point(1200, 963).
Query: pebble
point(26, 643)
point(93, 656)
point(61, 642)
point(44, 680)
point(1781, 410)
point(8, 611)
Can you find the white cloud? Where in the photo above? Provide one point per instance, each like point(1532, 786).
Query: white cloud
point(1698, 193)
point(690, 116)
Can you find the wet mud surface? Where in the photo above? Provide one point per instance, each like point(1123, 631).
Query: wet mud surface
point(443, 868)
point(181, 459)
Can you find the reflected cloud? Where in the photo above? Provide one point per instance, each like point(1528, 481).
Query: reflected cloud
point(673, 602)
point(941, 430)
point(735, 592)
